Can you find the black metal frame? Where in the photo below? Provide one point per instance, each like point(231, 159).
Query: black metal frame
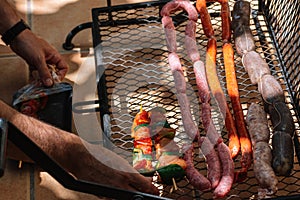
point(68, 45)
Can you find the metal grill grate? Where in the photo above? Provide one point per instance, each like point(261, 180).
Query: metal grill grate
point(132, 68)
point(283, 19)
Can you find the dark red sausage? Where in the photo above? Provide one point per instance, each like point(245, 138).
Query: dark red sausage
point(226, 30)
point(195, 178)
point(213, 162)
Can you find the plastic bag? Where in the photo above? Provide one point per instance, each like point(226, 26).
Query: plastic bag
point(49, 104)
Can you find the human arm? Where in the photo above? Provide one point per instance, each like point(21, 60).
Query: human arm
point(84, 160)
point(37, 52)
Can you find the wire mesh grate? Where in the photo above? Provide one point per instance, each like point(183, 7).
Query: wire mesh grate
point(131, 44)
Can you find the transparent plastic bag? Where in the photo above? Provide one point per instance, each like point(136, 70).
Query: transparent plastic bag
point(49, 104)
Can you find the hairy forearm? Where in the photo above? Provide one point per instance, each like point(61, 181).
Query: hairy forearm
point(84, 160)
point(55, 142)
point(8, 15)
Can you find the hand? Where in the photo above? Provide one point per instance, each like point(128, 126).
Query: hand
point(39, 54)
point(109, 168)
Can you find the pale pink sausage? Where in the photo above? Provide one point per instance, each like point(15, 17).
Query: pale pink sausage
point(190, 41)
point(170, 33)
point(180, 85)
point(255, 66)
point(270, 89)
point(227, 171)
point(174, 6)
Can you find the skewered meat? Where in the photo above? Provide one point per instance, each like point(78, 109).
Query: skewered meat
point(142, 152)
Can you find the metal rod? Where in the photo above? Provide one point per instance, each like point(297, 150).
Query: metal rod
point(68, 45)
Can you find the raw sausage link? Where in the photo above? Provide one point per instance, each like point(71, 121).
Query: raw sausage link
point(217, 91)
point(188, 123)
point(283, 153)
point(255, 66)
point(272, 94)
point(262, 168)
point(212, 75)
point(242, 35)
point(198, 180)
point(257, 124)
point(281, 119)
point(204, 96)
point(233, 92)
point(213, 162)
point(227, 171)
point(270, 89)
point(260, 134)
point(170, 33)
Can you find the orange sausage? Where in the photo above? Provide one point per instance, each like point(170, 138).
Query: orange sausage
point(217, 91)
point(233, 92)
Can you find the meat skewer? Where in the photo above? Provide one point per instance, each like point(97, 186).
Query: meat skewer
point(170, 166)
point(150, 131)
point(269, 88)
point(142, 153)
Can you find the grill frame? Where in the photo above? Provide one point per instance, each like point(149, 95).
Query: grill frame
point(269, 43)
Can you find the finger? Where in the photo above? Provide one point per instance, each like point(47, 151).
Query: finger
point(62, 69)
point(45, 75)
point(59, 63)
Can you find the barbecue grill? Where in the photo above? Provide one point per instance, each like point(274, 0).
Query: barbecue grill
point(132, 70)
point(132, 67)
